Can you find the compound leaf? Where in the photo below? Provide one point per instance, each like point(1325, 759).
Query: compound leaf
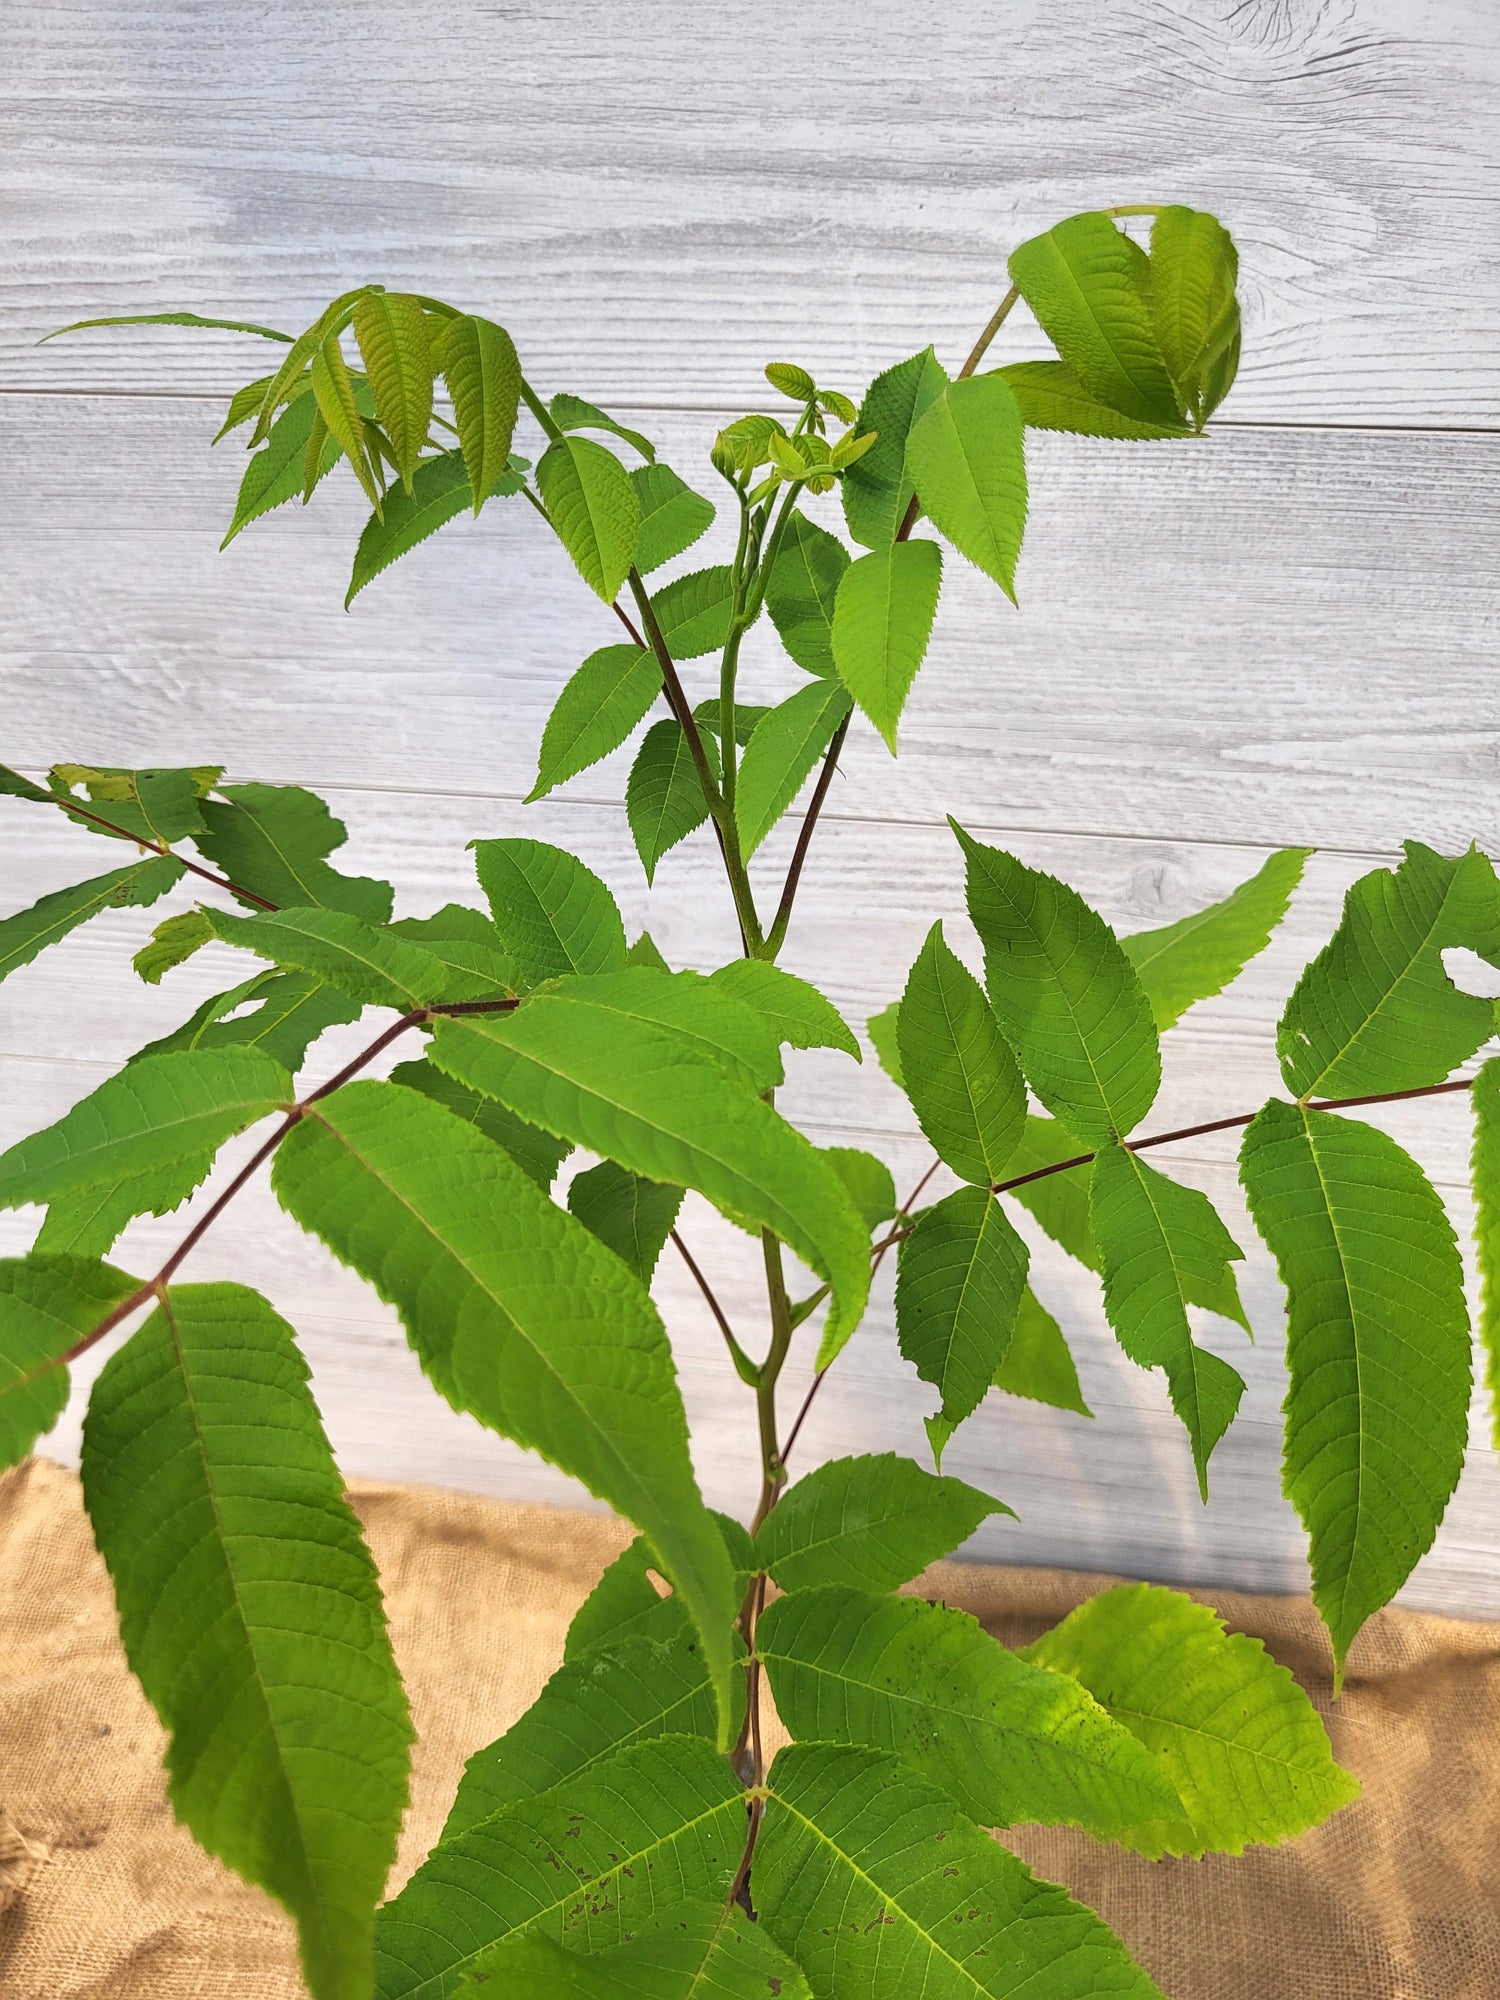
point(594, 509)
point(1377, 1349)
point(1090, 288)
point(876, 1886)
point(1059, 1201)
point(1163, 1248)
point(872, 1523)
point(483, 375)
point(47, 1305)
point(967, 458)
point(631, 1216)
point(597, 710)
point(274, 840)
point(1068, 998)
point(959, 1279)
point(957, 1067)
point(664, 801)
point(251, 1614)
point(553, 914)
point(801, 591)
point(881, 624)
point(1375, 1010)
point(785, 744)
point(660, 1105)
point(876, 489)
point(1182, 963)
point(673, 516)
point(1240, 1741)
point(798, 1014)
point(30, 931)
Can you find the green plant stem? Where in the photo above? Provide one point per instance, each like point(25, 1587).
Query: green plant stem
point(540, 411)
point(729, 665)
point(744, 1367)
point(772, 1474)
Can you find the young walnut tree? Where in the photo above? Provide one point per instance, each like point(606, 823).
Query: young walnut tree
point(627, 1836)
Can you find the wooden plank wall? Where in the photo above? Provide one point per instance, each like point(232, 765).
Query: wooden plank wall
point(1283, 635)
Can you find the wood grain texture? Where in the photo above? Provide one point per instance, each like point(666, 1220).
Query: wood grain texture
point(858, 171)
point(1284, 634)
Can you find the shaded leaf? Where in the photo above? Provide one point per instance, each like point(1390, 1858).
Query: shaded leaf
point(957, 1067)
point(870, 1184)
point(798, 1014)
point(172, 943)
point(780, 755)
point(967, 459)
point(1038, 1363)
point(468, 943)
point(517, 1314)
point(274, 840)
point(883, 1030)
point(1060, 1201)
point(1377, 1349)
point(553, 914)
point(630, 1216)
point(876, 489)
point(537, 1153)
point(47, 1305)
point(251, 1614)
point(1486, 1172)
point(1067, 996)
point(595, 713)
point(593, 507)
point(959, 1278)
point(881, 624)
point(871, 1522)
point(1198, 956)
point(673, 516)
point(664, 801)
point(1241, 1742)
point(801, 590)
point(30, 931)
point(623, 1606)
point(704, 1951)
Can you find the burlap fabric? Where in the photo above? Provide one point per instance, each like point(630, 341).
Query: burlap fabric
point(106, 1898)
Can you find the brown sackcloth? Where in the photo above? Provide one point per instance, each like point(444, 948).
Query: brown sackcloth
point(104, 1897)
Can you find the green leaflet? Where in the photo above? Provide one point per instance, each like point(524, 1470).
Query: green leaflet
point(630, 1216)
point(1060, 1202)
point(1163, 1247)
point(172, 943)
point(1375, 1011)
point(660, 1824)
point(1486, 1172)
point(871, 1186)
point(1067, 996)
point(959, 1278)
point(338, 406)
point(553, 914)
point(1198, 956)
point(694, 611)
point(1009, 1741)
point(277, 472)
point(1194, 312)
point(589, 1710)
point(369, 963)
point(287, 1011)
point(881, 625)
point(14, 786)
point(877, 1887)
point(31, 931)
point(1050, 397)
point(47, 1304)
point(1239, 1739)
point(572, 413)
point(1037, 1363)
point(296, 362)
point(872, 1522)
point(876, 488)
point(170, 319)
point(440, 492)
point(786, 743)
point(664, 801)
point(534, 1151)
point(1090, 289)
point(645, 951)
point(156, 1126)
point(624, 1605)
point(595, 713)
point(594, 509)
point(883, 1030)
point(643, 1096)
point(468, 944)
point(673, 516)
point(483, 375)
point(967, 458)
point(1377, 1349)
point(748, 715)
point(274, 840)
point(957, 1067)
point(251, 1615)
point(704, 1951)
point(517, 1314)
point(710, 1020)
point(160, 806)
point(801, 591)
point(798, 1014)
point(391, 331)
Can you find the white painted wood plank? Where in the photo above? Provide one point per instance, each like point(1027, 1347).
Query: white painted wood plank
point(657, 202)
point(1267, 636)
